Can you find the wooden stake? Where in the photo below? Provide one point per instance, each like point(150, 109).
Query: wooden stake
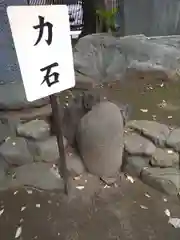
point(56, 114)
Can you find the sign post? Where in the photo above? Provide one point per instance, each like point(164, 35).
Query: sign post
point(43, 45)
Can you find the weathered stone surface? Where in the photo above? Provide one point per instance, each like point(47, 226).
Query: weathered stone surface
point(163, 179)
point(84, 82)
point(157, 132)
point(46, 150)
point(135, 164)
point(5, 131)
point(165, 158)
point(15, 151)
point(98, 57)
point(138, 145)
point(3, 168)
point(74, 163)
point(76, 109)
point(174, 139)
point(106, 58)
point(12, 96)
point(100, 139)
point(35, 129)
point(27, 114)
point(39, 175)
point(126, 110)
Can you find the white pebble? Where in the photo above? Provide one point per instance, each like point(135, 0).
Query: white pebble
point(15, 192)
point(38, 205)
point(169, 117)
point(165, 199)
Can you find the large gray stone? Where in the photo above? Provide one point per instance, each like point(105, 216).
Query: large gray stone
point(174, 139)
point(137, 145)
point(5, 131)
point(74, 164)
point(15, 151)
point(46, 150)
point(39, 175)
point(3, 168)
point(163, 179)
point(98, 57)
point(155, 131)
point(35, 129)
point(100, 139)
point(165, 158)
point(106, 58)
point(135, 164)
point(78, 106)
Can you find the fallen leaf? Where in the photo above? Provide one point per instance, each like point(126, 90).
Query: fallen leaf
point(154, 117)
point(1, 212)
point(80, 187)
point(143, 207)
point(55, 171)
point(23, 208)
point(129, 178)
point(78, 177)
point(29, 191)
point(147, 195)
point(18, 232)
point(21, 220)
point(162, 85)
point(144, 110)
point(167, 212)
point(175, 222)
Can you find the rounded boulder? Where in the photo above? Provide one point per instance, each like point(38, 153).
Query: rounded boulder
point(100, 139)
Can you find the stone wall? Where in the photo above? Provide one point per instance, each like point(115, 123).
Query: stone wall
point(152, 154)
point(104, 147)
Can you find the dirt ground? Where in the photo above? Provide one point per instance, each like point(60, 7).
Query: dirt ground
point(124, 211)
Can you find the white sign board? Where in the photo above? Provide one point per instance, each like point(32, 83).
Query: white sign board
point(43, 44)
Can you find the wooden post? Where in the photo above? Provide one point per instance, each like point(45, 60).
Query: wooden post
point(56, 115)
